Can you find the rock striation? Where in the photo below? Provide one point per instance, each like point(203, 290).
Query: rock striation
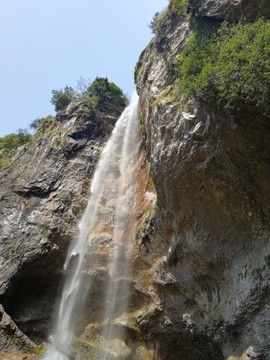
point(231, 10)
point(210, 249)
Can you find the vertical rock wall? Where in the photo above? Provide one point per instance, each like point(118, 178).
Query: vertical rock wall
point(210, 248)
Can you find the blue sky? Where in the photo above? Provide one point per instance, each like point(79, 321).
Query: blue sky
point(47, 44)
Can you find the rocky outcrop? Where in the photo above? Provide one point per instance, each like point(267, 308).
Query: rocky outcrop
point(231, 10)
point(209, 250)
point(42, 195)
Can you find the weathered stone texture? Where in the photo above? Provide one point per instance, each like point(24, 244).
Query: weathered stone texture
point(210, 250)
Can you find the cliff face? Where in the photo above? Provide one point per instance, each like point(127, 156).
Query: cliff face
point(231, 10)
point(43, 194)
point(210, 248)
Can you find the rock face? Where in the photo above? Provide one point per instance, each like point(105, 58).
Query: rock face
point(210, 246)
point(42, 196)
point(7, 328)
point(232, 10)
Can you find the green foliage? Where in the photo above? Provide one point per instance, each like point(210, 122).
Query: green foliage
point(231, 66)
point(41, 122)
point(105, 90)
point(35, 123)
point(153, 24)
point(157, 20)
point(61, 98)
point(179, 7)
point(10, 143)
point(150, 186)
point(100, 90)
point(39, 349)
point(168, 94)
point(196, 61)
point(161, 18)
point(89, 350)
point(148, 56)
point(34, 349)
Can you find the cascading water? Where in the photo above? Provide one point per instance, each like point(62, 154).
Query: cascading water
point(114, 186)
point(116, 294)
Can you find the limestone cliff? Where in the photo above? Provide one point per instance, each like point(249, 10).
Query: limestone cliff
point(210, 246)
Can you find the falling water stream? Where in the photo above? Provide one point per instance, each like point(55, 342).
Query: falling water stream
point(113, 185)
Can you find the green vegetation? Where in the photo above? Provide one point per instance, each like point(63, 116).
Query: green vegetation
point(44, 127)
point(92, 98)
point(179, 7)
point(99, 91)
point(89, 350)
point(139, 68)
point(153, 24)
point(157, 20)
point(168, 94)
point(42, 122)
point(34, 349)
point(150, 186)
point(10, 143)
point(230, 65)
point(61, 98)
point(39, 350)
point(44, 229)
point(106, 91)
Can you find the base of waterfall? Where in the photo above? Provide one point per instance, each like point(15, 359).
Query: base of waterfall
point(126, 341)
point(114, 349)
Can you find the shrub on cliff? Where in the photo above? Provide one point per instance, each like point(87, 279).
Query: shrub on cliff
point(157, 20)
point(100, 90)
point(154, 25)
point(231, 66)
point(10, 143)
point(62, 98)
point(105, 90)
point(41, 122)
point(178, 7)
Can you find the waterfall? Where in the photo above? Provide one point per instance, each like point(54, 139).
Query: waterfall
point(113, 186)
point(116, 299)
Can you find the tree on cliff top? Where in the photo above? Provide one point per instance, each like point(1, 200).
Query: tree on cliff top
point(101, 88)
point(61, 98)
point(106, 90)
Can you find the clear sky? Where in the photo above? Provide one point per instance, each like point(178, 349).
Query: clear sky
point(47, 44)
